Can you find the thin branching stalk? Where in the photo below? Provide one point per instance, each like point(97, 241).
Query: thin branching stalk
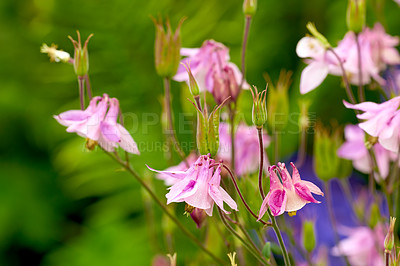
point(81, 83)
point(170, 122)
point(88, 87)
point(246, 245)
point(164, 209)
point(242, 198)
point(344, 75)
point(260, 172)
point(361, 95)
point(232, 118)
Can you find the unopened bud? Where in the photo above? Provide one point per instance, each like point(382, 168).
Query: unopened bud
point(81, 56)
point(259, 111)
point(249, 7)
point(278, 101)
point(167, 48)
point(54, 54)
point(193, 87)
point(313, 30)
point(374, 216)
point(198, 216)
point(225, 85)
point(356, 15)
point(304, 120)
point(389, 239)
point(308, 236)
point(266, 251)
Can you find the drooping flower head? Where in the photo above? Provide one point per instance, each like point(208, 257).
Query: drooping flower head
point(199, 186)
point(212, 70)
point(247, 148)
point(363, 246)
point(354, 149)
point(98, 123)
point(290, 194)
point(381, 120)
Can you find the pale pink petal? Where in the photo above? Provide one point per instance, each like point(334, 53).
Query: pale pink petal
point(126, 141)
point(352, 150)
point(264, 207)
point(110, 131)
point(174, 174)
point(312, 76)
point(201, 198)
point(309, 47)
point(180, 190)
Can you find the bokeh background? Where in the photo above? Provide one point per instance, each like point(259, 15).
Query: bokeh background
point(63, 205)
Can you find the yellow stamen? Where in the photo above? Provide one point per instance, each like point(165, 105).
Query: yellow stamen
point(292, 213)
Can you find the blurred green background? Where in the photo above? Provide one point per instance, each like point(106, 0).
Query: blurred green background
point(62, 205)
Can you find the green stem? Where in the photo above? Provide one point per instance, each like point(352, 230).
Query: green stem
point(246, 245)
point(260, 172)
point(81, 82)
point(164, 209)
point(280, 239)
point(170, 122)
point(244, 46)
point(232, 118)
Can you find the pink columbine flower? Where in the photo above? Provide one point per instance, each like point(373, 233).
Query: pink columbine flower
point(247, 148)
point(169, 179)
point(381, 120)
point(291, 195)
point(99, 123)
point(199, 186)
point(363, 246)
point(377, 51)
point(354, 149)
point(206, 63)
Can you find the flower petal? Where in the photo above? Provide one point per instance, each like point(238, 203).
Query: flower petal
point(126, 141)
point(304, 192)
point(312, 76)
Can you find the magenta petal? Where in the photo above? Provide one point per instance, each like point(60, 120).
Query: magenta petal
point(304, 192)
point(277, 201)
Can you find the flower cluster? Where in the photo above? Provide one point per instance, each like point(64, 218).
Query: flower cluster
point(377, 50)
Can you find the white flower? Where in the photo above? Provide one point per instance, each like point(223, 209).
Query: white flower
point(54, 54)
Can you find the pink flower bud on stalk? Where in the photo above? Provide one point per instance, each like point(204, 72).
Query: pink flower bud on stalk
point(356, 15)
point(389, 239)
point(278, 101)
point(225, 85)
point(167, 48)
point(81, 56)
point(249, 7)
point(259, 111)
point(54, 54)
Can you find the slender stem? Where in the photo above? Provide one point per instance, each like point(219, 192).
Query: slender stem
point(241, 196)
point(232, 118)
point(280, 239)
point(247, 246)
point(243, 229)
point(81, 82)
point(244, 46)
point(332, 218)
point(276, 147)
point(260, 172)
point(170, 123)
point(361, 95)
point(387, 260)
point(164, 209)
point(301, 155)
point(88, 87)
point(345, 80)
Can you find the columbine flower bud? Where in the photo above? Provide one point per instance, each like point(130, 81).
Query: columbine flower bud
point(356, 14)
point(313, 30)
point(308, 236)
point(374, 215)
point(259, 111)
point(249, 7)
point(193, 87)
point(198, 216)
point(389, 239)
point(278, 101)
point(167, 48)
point(327, 164)
point(54, 54)
point(266, 251)
point(304, 120)
point(81, 56)
point(225, 85)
